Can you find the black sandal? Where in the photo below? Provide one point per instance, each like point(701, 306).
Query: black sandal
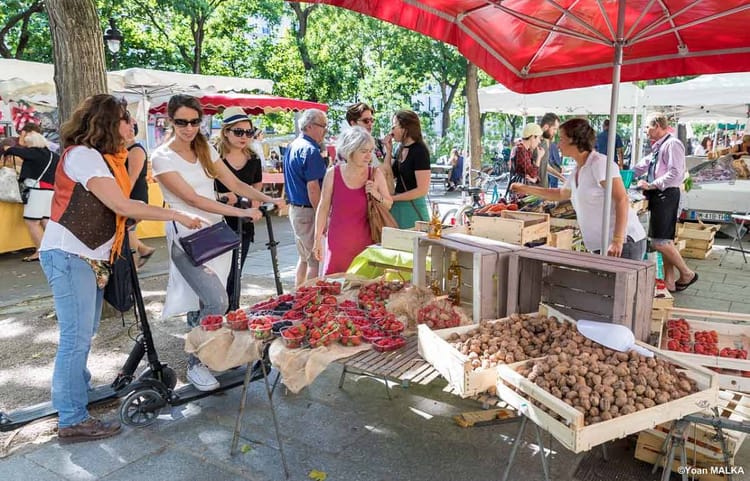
point(682, 287)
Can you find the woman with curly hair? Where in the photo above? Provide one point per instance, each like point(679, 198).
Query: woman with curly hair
point(84, 234)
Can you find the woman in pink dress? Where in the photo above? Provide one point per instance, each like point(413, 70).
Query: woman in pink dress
point(342, 211)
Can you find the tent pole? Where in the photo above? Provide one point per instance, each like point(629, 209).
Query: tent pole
point(617, 67)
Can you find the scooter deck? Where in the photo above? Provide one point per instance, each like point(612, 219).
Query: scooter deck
point(103, 394)
point(20, 417)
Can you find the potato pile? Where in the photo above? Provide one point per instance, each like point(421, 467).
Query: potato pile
point(604, 384)
point(518, 338)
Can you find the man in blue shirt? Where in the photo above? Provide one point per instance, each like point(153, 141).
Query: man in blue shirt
point(304, 169)
point(602, 140)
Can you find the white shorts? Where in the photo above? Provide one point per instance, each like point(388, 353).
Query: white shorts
point(39, 205)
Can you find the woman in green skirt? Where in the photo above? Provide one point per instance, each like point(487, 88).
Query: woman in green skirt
point(411, 169)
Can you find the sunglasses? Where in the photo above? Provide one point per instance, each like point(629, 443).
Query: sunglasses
point(184, 122)
point(367, 121)
point(242, 132)
point(125, 116)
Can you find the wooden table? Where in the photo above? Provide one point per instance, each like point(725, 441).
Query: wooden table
point(403, 366)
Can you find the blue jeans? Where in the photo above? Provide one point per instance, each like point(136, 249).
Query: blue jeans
point(78, 304)
point(212, 296)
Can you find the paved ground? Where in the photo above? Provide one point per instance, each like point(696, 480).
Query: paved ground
point(350, 434)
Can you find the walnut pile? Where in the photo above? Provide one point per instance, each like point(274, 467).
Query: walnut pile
point(518, 338)
point(604, 384)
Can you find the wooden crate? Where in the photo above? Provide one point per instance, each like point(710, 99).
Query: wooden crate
point(663, 299)
point(648, 449)
point(512, 227)
point(567, 425)
point(702, 439)
point(451, 364)
point(500, 278)
point(400, 239)
point(562, 239)
point(478, 272)
point(697, 231)
point(584, 286)
point(734, 332)
point(456, 367)
point(691, 253)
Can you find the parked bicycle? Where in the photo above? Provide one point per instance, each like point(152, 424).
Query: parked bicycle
point(462, 215)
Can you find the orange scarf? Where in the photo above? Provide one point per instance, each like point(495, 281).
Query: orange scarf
point(116, 162)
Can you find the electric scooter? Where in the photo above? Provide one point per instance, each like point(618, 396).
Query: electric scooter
point(154, 388)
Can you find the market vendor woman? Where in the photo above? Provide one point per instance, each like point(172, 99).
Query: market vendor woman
point(585, 188)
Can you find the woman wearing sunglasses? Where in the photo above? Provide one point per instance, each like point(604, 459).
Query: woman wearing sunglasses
point(85, 232)
point(237, 153)
point(186, 167)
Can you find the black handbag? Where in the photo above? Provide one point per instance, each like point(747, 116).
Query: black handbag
point(209, 243)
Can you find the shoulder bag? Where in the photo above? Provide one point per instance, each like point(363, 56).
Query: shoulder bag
point(10, 189)
point(378, 216)
point(26, 189)
point(209, 243)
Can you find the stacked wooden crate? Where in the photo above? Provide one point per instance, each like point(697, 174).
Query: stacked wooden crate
point(704, 450)
point(479, 271)
point(584, 286)
point(698, 237)
point(513, 227)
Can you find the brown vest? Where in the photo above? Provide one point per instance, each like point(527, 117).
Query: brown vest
point(80, 211)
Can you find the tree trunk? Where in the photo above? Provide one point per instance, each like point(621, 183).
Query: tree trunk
point(302, 17)
point(472, 101)
point(78, 49)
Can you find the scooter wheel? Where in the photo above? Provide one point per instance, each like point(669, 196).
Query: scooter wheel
point(169, 378)
point(141, 407)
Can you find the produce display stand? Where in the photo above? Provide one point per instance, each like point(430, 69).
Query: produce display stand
point(734, 333)
point(403, 366)
point(583, 286)
point(478, 272)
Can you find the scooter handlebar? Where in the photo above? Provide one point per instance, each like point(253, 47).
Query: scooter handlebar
point(267, 207)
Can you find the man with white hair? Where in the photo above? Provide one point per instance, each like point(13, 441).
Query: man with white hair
point(304, 169)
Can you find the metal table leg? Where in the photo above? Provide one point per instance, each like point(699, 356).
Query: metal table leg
point(517, 442)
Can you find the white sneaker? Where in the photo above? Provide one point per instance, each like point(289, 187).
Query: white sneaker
point(200, 377)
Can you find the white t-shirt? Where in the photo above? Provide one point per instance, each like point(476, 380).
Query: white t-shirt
point(81, 164)
point(164, 160)
point(180, 296)
point(587, 198)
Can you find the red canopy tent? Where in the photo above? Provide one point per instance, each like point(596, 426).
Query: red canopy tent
point(252, 104)
point(542, 45)
point(536, 45)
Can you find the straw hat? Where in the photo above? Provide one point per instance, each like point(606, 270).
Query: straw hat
point(232, 115)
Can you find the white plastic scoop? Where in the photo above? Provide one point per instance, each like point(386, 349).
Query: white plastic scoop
point(613, 336)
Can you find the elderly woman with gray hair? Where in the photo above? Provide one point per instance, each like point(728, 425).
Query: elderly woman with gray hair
point(342, 212)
